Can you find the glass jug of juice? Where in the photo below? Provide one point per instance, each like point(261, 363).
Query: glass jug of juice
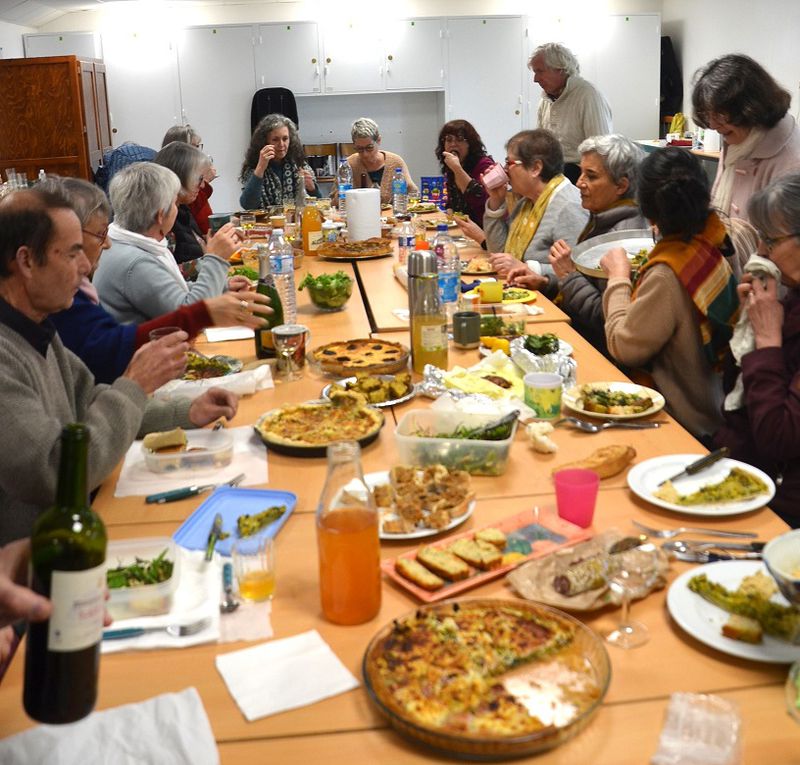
point(347, 538)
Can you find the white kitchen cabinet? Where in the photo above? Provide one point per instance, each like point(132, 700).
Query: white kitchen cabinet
point(143, 87)
point(80, 44)
point(217, 84)
point(414, 55)
point(353, 59)
point(485, 70)
point(288, 56)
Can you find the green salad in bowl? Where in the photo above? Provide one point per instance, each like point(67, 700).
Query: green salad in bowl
point(328, 292)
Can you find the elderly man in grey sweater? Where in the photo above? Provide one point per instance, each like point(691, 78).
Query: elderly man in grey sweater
point(44, 386)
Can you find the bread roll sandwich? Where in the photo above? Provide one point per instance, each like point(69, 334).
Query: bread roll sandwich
point(606, 461)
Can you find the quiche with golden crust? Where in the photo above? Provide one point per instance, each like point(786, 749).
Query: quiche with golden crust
point(366, 248)
point(439, 668)
point(367, 355)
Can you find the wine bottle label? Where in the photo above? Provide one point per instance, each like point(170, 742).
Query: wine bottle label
point(76, 621)
point(433, 337)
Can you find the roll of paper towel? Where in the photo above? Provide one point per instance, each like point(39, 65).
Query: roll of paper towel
point(710, 140)
point(363, 214)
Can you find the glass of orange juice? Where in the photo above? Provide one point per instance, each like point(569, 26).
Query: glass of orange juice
point(254, 566)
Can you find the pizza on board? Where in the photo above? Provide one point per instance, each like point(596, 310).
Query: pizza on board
point(367, 248)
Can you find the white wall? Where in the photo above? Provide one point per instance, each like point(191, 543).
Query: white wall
point(766, 30)
point(11, 39)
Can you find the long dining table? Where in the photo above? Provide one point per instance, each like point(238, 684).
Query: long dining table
point(347, 728)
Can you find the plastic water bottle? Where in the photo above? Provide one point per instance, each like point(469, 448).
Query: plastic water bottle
point(345, 182)
point(449, 271)
point(399, 192)
point(281, 259)
point(406, 240)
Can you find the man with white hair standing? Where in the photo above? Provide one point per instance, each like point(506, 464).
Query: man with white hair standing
point(571, 107)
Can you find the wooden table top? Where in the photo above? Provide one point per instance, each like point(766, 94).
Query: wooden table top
point(347, 728)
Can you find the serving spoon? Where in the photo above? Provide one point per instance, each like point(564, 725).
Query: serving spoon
point(591, 427)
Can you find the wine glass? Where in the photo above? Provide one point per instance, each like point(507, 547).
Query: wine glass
point(289, 339)
point(631, 574)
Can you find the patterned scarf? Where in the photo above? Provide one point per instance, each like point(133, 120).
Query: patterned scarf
point(707, 277)
point(280, 184)
point(528, 218)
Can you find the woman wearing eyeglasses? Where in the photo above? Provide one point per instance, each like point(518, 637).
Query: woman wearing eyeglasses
point(463, 159)
point(765, 428)
point(96, 337)
point(549, 208)
point(372, 166)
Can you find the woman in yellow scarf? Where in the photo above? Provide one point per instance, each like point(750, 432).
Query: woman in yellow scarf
point(549, 207)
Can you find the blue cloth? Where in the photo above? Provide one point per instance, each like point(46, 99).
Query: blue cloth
point(92, 334)
point(115, 159)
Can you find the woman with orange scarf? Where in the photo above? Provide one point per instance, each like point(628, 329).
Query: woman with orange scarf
point(675, 322)
point(549, 207)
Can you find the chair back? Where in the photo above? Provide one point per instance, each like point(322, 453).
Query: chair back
point(273, 101)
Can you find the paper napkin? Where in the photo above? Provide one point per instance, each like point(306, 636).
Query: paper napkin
point(221, 334)
point(171, 728)
point(284, 674)
point(249, 457)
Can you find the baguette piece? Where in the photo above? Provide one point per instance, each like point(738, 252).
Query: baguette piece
point(492, 536)
point(443, 563)
point(415, 572)
point(606, 461)
point(477, 553)
point(742, 628)
point(168, 440)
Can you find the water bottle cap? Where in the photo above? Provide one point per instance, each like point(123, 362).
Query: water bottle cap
point(442, 226)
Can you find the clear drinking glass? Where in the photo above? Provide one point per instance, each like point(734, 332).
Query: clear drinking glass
point(290, 341)
point(631, 575)
point(247, 222)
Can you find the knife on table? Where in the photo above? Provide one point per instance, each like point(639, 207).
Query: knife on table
point(701, 464)
point(189, 491)
point(213, 536)
point(702, 556)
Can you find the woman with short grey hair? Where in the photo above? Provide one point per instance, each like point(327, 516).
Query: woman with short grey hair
point(765, 430)
point(190, 165)
point(139, 278)
point(371, 166)
point(275, 170)
point(607, 185)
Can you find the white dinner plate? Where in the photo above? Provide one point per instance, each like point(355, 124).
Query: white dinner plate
point(587, 254)
point(703, 620)
point(572, 398)
point(374, 479)
point(645, 477)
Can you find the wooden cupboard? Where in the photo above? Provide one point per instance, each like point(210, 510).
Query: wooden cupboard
point(55, 115)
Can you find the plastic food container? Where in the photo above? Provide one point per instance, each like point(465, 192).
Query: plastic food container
point(206, 450)
point(475, 456)
point(147, 599)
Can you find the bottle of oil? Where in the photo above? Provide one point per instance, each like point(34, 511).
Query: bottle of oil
point(312, 228)
point(428, 320)
point(68, 553)
point(265, 349)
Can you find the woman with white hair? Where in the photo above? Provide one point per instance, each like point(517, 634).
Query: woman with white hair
point(201, 207)
point(275, 170)
point(570, 107)
point(607, 185)
point(372, 166)
point(139, 278)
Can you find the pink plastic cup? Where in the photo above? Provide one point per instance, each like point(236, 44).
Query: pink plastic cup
point(576, 495)
point(495, 176)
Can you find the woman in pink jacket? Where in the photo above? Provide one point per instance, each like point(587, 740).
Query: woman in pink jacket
point(738, 98)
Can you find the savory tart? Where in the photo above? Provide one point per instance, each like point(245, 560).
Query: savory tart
point(439, 668)
point(606, 401)
point(367, 248)
point(737, 486)
point(317, 424)
point(370, 356)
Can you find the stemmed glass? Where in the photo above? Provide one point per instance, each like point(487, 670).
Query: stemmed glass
point(631, 574)
point(288, 339)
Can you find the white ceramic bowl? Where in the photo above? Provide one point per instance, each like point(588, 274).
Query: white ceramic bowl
point(782, 556)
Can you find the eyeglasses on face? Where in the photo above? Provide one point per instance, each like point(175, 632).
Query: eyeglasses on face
point(772, 241)
point(509, 163)
point(365, 149)
point(454, 139)
point(101, 235)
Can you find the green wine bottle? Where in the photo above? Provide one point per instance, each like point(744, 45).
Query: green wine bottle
point(266, 286)
point(68, 553)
